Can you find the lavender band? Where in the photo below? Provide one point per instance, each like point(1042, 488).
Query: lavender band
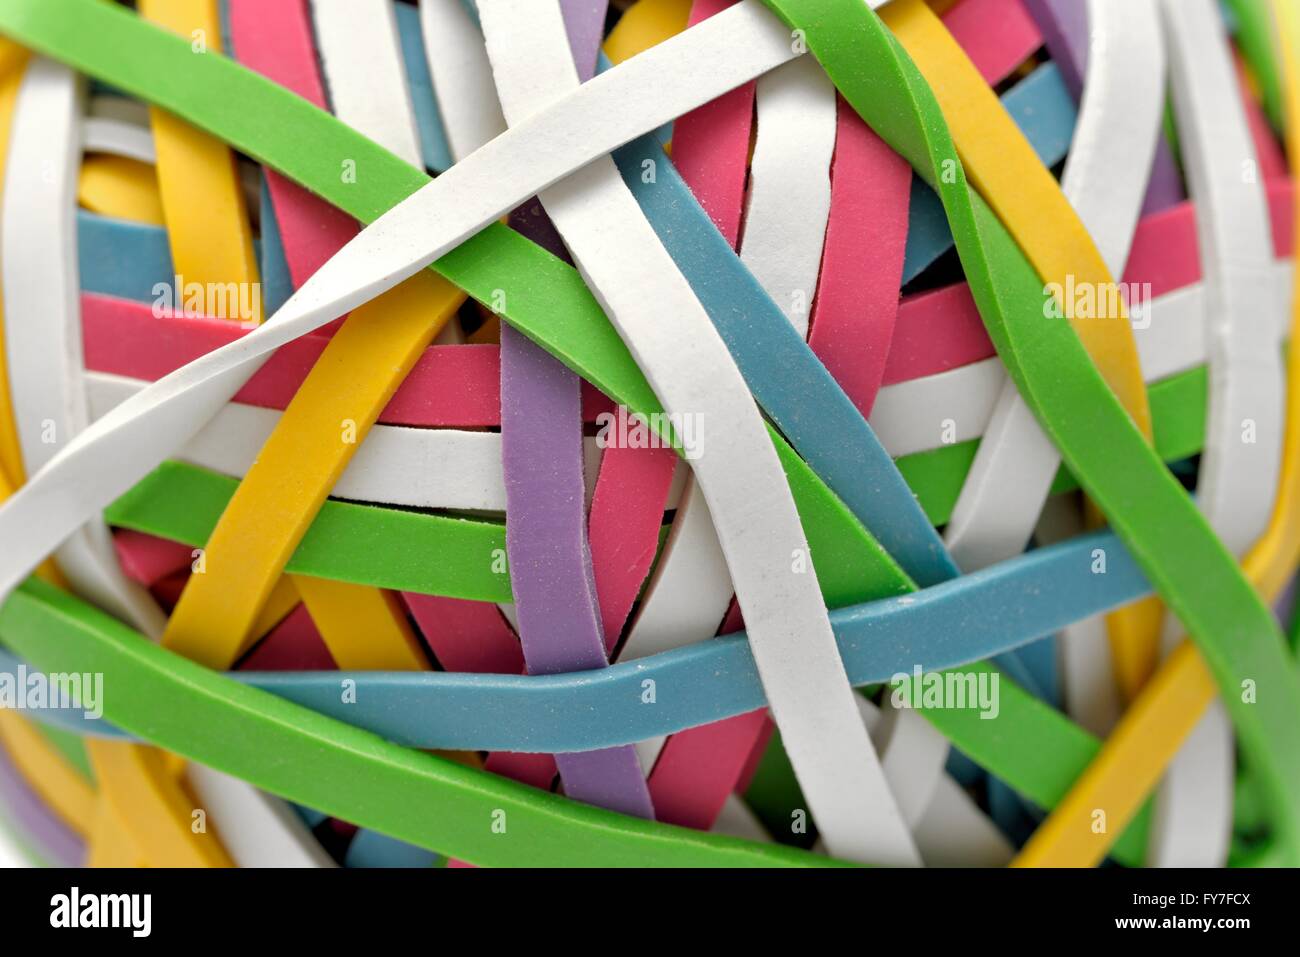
point(1064, 26)
point(37, 822)
point(546, 522)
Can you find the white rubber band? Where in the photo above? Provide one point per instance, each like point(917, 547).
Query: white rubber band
point(687, 364)
point(116, 138)
point(43, 320)
point(790, 186)
point(462, 77)
point(256, 828)
point(361, 59)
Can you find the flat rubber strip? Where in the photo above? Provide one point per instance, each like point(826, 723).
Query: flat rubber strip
point(203, 201)
point(416, 468)
point(723, 30)
point(180, 502)
point(856, 310)
point(789, 195)
point(997, 35)
point(711, 144)
point(1118, 469)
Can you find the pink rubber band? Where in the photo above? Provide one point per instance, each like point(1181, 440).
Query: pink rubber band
point(274, 37)
point(293, 645)
point(711, 144)
point(148, 559)
point(856, 307)
point(997, 35)
point(451, 386)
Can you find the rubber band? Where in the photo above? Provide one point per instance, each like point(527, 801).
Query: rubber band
point(1044, 782)
point(433, 138)
point(711, 143)
point(997, 35)
point(99, 135)
point(11, 459)
point(550, 560)
point(790, 186)
point(340, 399)
point(826, 744)
point(120, 187)
point(44, 357)
point(198, 182)
point(856, 309)
point(255, 823)
point(361, 61)
point(1064, 24)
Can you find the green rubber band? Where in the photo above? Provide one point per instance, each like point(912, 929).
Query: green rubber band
point(547, 299)
point(1146, 506)
point(342, 771)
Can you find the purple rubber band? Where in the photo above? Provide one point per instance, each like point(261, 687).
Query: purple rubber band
point(1064, 26)
point(37, 822)
point(546, 521)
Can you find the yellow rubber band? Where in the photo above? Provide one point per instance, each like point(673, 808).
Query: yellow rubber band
point(364, 628)
point(121, 188)
point(50, 775)
point(12, 66)
point(149, 802)
point(1003, 166)
point(109, 844)
point(1153, 729)
point(646, 23)
point(198, 182)
point(327, 419)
